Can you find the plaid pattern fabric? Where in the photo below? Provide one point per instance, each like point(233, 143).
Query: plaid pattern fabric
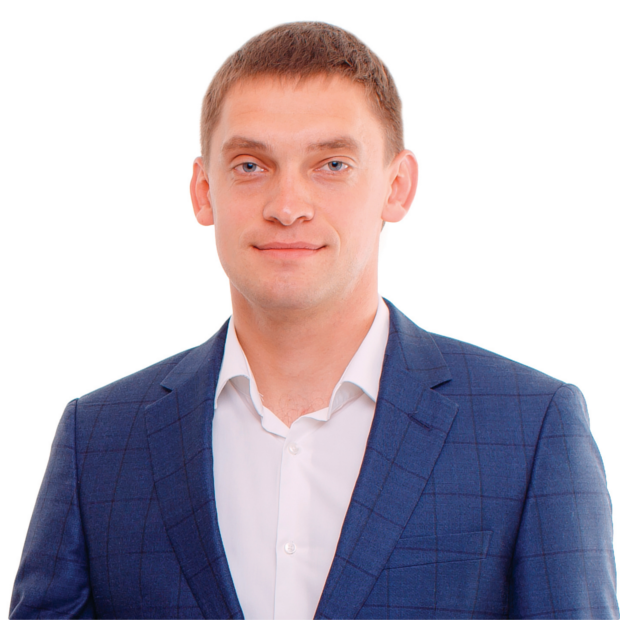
point(481, 495)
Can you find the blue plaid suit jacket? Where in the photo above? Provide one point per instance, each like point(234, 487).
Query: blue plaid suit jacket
point(481, 495)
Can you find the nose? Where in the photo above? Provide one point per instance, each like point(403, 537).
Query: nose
point(289, 200)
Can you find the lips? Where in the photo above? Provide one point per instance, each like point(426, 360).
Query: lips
point(298, 245)
point(297, 251)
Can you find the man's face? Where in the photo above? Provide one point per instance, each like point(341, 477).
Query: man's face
point(297, 186)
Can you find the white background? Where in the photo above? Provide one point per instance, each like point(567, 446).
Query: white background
point(512, 242)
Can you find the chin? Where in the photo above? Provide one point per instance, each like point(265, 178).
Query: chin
point(286, 297)
point(288, 300)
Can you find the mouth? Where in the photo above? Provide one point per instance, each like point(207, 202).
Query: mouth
point(298, 249)
point(298, 245)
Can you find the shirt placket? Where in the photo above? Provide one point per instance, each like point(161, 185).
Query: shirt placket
point(292, 548)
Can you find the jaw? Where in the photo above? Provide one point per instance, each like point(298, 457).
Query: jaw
point(321, 284)
point(284, 290)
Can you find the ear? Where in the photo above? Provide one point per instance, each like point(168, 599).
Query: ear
point(403, 185)
point(201, 198)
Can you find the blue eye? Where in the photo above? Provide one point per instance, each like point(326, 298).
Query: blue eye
point(249, 166)
point(334, 166)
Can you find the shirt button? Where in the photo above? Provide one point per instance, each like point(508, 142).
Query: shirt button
point(294, 448)
point(290, 548)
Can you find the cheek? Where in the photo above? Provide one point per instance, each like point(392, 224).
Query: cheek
point(238, 203)
point(357, 216)
point(230, 216)
point(227, 227)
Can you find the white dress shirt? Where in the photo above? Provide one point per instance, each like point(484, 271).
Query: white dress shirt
point(282, 493)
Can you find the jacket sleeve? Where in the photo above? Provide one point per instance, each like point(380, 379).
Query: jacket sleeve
point(563, 564)
point(53, 579)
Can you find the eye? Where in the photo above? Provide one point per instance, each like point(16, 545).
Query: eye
point(336, 166)
point(248, 166)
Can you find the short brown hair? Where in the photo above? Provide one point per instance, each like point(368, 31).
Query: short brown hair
point(301, 50)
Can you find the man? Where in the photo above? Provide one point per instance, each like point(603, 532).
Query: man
point(321, 455)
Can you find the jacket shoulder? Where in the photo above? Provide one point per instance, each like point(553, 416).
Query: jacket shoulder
point(107, 418)
point(110, 412)
point(141, 387)
point(484, 371)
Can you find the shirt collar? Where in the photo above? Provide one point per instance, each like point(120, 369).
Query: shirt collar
point(364, 369)
point(363, 372)
point(235, 364)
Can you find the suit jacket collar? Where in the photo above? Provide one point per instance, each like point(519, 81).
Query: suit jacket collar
point(179, 434)
point(408, 431)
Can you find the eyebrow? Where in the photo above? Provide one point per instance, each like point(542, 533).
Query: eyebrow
point(239, 142)
point(342, 142)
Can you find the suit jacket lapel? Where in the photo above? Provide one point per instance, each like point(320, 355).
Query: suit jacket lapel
point(179, 436)
point(408, 432)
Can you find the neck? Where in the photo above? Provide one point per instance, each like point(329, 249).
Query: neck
point(297, 356)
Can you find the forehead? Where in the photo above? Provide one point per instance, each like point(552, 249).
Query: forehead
point(284, 110)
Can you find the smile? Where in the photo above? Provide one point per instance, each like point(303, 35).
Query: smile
point(299, 245)
point(289, 250)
